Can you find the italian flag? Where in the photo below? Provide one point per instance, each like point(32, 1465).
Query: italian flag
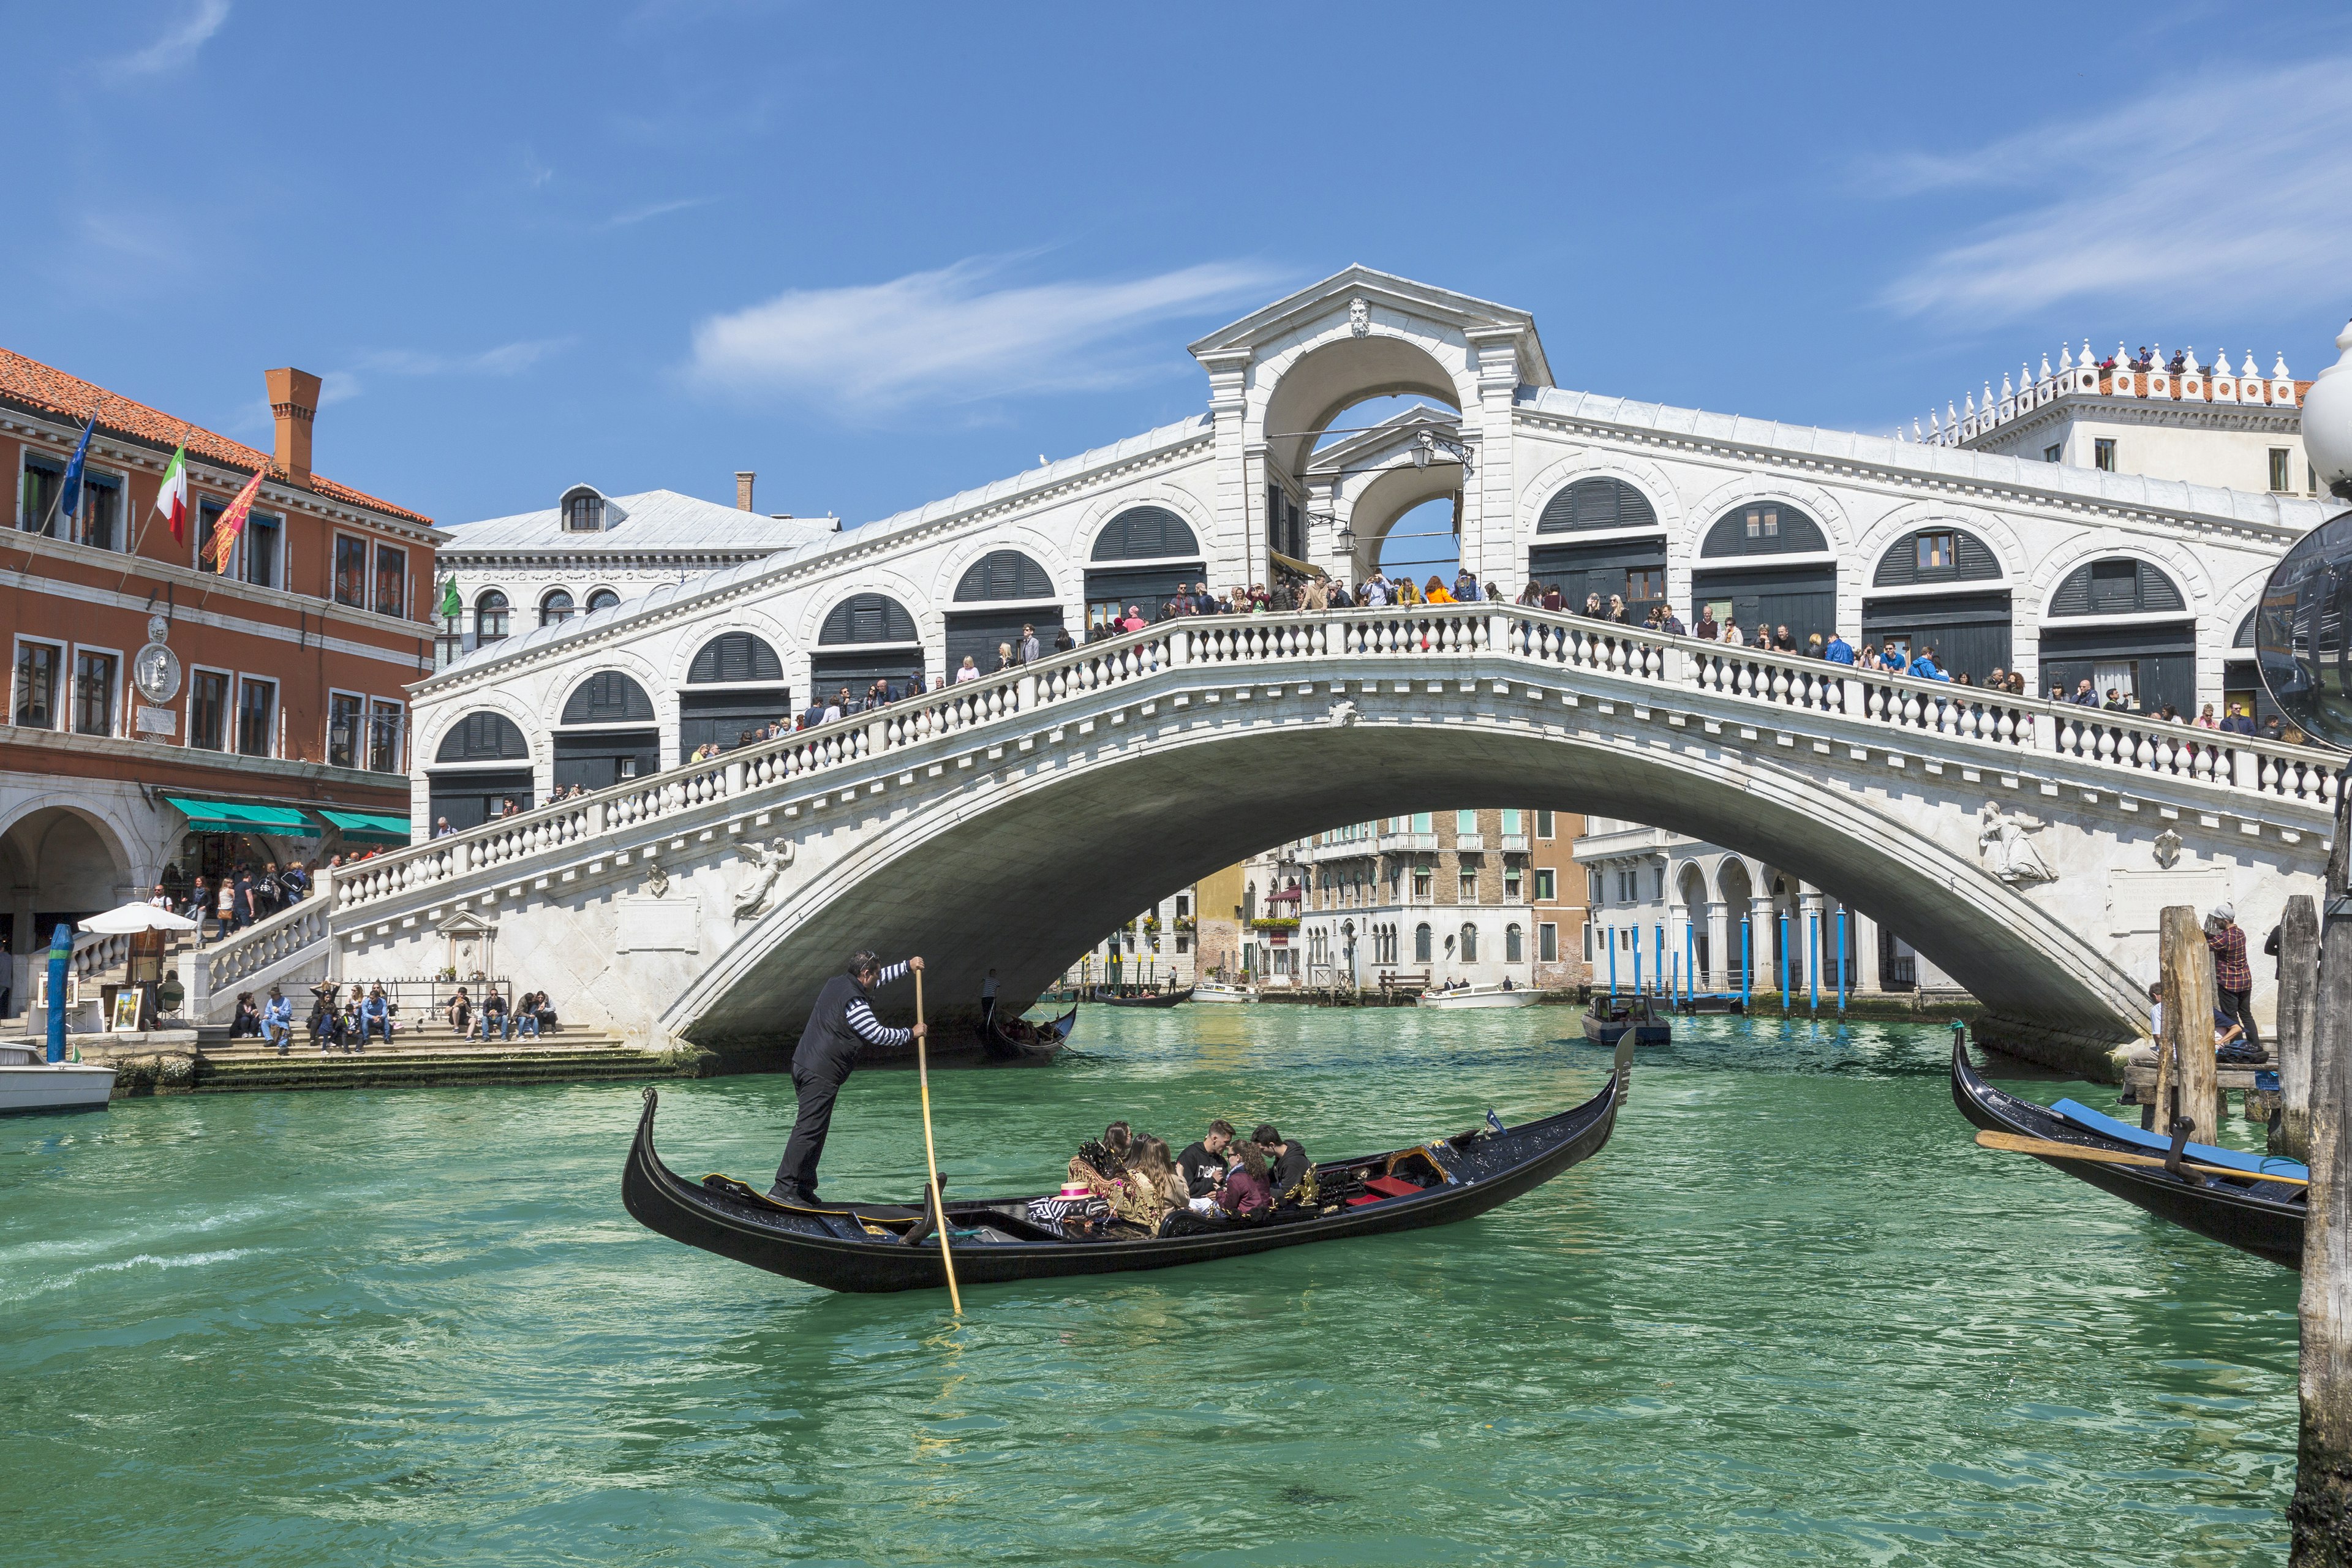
point(172, 500)
point(223, 546)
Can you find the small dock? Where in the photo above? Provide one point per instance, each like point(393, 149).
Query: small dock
point(208, 1062)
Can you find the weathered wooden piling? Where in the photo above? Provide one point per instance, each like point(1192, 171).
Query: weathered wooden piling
point(2298, 987)
point(2186, 1073)
point(2320, 1513)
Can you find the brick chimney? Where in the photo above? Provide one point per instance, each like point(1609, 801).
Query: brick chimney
point(744, 477)
point(294, 399)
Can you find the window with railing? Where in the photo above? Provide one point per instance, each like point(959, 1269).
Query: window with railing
point(40, 667)
point(97, 521)
point(390, 581)
point(257, 718)
point(351, 571)
point(208, 710)
point(343, 712)
point(94, 692)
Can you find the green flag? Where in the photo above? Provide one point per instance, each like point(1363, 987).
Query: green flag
point(451, 607)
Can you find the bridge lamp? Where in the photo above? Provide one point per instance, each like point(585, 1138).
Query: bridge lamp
point(2302, 627)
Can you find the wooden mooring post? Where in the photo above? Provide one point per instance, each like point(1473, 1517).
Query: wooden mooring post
point(2188, 1083)
point(2320, 1514)
point(2298, 997)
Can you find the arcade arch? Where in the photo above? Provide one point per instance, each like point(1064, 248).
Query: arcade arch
point(483, 762)
point(1767, 562)
point(866, 637)
point(1605, 539)
point(995, 598)
point(1941, 586)
point(606, 734)
point(734, 688)
point(1140, 557)
point(60, 864)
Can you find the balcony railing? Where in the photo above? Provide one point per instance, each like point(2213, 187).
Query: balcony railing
point(1513, 843)
point(1404, 843)
point(1470, 843)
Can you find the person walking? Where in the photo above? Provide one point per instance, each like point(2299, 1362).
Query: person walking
point(2233, 977)
point(841, 1021)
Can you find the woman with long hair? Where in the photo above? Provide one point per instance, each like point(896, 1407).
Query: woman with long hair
point(1433, 592)
point(1152, 1186)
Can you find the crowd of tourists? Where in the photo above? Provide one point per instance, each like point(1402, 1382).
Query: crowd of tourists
point(1132, 1178)
point(346, 1021)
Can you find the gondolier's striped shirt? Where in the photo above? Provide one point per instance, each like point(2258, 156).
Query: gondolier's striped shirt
point(871, 1029)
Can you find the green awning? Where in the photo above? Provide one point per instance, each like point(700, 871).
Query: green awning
point(228, 816)
point(367, 826)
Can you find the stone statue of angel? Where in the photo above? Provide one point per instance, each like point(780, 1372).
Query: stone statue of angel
point(1343, 713)
point(765, 862)
point(2003, 847)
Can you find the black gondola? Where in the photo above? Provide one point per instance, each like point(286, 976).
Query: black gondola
point(1608, 1019)
point(2245, 1211)
point(1019, 1040)
point(1110, 998)
point(883, 1247)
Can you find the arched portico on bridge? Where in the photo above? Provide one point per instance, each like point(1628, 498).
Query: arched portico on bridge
point(61, 861)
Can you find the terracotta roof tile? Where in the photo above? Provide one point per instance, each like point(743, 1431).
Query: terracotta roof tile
point(50, 390)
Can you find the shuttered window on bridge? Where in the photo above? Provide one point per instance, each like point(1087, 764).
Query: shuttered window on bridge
point(1003, 575)
point(868, 617)
point(2156, 663)
point(1596, 503)
point(483, 738)
point(469, 797)
point(1145, 533)
point(1969, 632)
point(980, 633)
point(2118, 585)
point(608, 696)
point(733, 658)
point(1764, 528)
point(1148, 588)
point(1936, 555)
point(1634, 569)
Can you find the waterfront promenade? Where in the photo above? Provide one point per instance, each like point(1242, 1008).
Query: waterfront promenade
point(1790, 1314)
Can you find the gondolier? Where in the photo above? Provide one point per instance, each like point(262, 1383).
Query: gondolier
point(841, 1023)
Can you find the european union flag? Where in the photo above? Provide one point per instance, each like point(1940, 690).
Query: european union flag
point(69, 492)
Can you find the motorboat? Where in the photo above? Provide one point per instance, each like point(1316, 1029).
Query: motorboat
point(1464, 997)
point(1221, 991)
point(29, 1083)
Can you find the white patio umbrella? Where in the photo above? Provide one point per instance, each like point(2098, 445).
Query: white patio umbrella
point(136, 917)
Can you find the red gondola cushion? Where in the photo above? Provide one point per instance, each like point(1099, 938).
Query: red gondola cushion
point(1391, 1187)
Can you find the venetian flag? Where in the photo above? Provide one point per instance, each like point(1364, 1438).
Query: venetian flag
point(171, 498)
point(222, 547)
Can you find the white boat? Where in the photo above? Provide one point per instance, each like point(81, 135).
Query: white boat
point(29, 1083)
point(1481, 997)
point(1218, 991)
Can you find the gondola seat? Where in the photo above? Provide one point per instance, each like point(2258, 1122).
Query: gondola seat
point(1380, 1189)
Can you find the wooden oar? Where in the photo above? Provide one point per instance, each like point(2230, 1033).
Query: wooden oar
point(930, 1156)
point(2016, 1143)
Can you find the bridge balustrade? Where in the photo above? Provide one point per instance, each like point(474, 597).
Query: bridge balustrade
point(1541, 639)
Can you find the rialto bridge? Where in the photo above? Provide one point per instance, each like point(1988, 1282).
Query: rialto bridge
point(1008, 822)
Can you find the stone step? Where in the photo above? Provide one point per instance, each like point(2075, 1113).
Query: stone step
point(404, 1069)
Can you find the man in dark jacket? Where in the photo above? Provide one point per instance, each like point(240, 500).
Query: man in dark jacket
point(840, 1023)
point(1286, 1157)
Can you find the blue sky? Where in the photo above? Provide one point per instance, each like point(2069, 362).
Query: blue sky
point(880, 254)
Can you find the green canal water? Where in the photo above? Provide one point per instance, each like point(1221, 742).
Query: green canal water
point(1788, 1315)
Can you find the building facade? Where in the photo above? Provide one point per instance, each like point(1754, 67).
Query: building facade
point(165, 719)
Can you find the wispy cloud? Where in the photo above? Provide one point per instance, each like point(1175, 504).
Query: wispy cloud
point(945, 334)
point(2231, 178)
point(507, 359)
point(177, 47)
point(655, 209)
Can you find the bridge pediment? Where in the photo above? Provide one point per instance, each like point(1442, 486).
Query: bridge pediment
point(1313, 311)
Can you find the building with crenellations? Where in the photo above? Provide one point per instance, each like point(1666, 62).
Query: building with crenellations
point(167, 720)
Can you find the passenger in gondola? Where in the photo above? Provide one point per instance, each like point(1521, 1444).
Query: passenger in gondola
point(840, 1023)
point(1286, 1163)
point(1202, 1164)
point(1152, 1188)
point(1101, 1165)
point(1247, 1192)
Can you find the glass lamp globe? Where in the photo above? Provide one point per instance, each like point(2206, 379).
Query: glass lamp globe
point(2302, 627)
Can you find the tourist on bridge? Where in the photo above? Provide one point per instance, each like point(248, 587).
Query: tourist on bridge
point(1465, 588)
point(1838, 650)
point(2232, 978)
point(841, 1022)
point(1924, 666)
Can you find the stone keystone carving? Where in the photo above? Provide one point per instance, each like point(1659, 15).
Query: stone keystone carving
point(1359, 317)
point(1343, 713)
point(2001, 845)
point(657, 880)
point(2168, 848)
point(764, 863)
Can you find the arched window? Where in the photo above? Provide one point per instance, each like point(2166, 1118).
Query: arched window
point(491, 617)
point(1145, 533)
point(603, 599)
point(2116, 586)
point(1420, 942)
point(483, 738)
point(583, 513)
point(556, 607)
point(1594, 504)
point(608, 698)
point(1003, 575)
point(868, 617)
point(1249, 902)
point(1936, 555)
point(1764, 528)
point(2245, 637)
point(1514, 945)
point(734, 657)
point(1469, 942)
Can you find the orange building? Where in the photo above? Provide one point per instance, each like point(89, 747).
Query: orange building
point(165, 720)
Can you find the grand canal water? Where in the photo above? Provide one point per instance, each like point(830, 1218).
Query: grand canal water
point(1790, 1314)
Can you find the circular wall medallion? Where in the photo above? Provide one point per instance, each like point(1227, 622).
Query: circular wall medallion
point(156, 670)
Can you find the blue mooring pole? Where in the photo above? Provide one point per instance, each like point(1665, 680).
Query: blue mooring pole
point(1637, 960)
point(1784, 961)
point(1690, 965)
point(60, 958)
point(1658, 946)
point(1841, 942)
point(1609, 935)
point(1815, 977)
point(1747, 961)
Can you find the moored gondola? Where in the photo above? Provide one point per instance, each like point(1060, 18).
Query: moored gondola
point(1019, 1040)
point(1111, 998)
point(1608, 1019)
point(2239, 1207)
point(884, 1246)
